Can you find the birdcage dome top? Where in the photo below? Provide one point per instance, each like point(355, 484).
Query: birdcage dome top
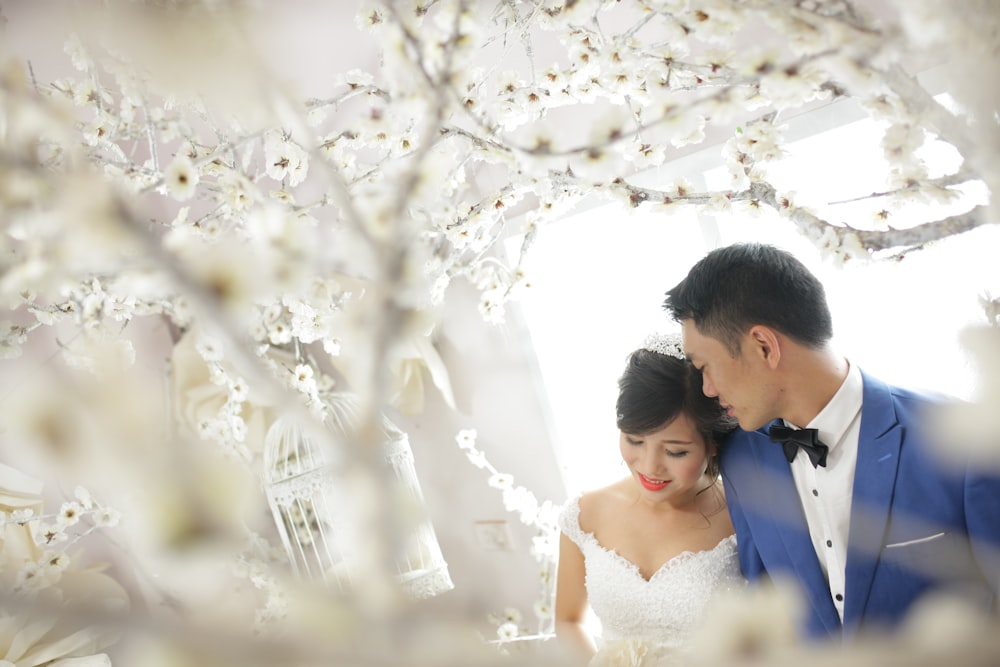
point(293, 448)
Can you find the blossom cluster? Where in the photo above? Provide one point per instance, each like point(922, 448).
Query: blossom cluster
point(41, 563)
point(540, 515)
point(54, 534)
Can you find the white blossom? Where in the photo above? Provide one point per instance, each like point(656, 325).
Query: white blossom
point(284, 159)
point(106, 517)
point(209, 348)
point(791, 86)
point(543, 610)
point(69, 513)
point(238, 390)
point(512, 615)
point(491, 306)
point(237, 192)
point(714, 21)
point(507, 631)
point(181, 178)
point(54, 564)
point(11, 339)
point(83, 496)
point(102, 128)
point(839, 246)
point(29, 576)
point(645, 155)
point(303, 379)
point(720, 202)
point(22, 515)
point(501, 481)
point(466, 438)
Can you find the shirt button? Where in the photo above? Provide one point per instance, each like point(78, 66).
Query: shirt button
point(829, 543)
point(840, 598)
point(815, 492)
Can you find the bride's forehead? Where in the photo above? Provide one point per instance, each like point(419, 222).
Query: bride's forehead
point(681, 430)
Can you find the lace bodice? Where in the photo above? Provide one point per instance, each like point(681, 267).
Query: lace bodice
point(663, 610)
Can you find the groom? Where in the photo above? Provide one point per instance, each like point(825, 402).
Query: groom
point(860, 511)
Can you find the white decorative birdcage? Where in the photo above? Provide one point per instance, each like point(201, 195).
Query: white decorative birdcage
point(321, 524)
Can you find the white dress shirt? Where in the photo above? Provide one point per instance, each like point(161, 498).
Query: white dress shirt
point(826, 492)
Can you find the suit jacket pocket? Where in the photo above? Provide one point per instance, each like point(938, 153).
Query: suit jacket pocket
point(915, 541)
point(913, 565)
point(943, 556)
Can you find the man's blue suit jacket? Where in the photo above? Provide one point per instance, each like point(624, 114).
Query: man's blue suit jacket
point(919, 521)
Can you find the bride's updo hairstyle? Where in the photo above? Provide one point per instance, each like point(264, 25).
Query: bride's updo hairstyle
point(658, 384)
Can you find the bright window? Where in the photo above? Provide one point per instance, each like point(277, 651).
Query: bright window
point(599, 277)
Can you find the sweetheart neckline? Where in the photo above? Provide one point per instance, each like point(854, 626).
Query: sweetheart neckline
point(683, 556)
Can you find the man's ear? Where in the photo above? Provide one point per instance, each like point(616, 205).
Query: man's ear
point(764, 345)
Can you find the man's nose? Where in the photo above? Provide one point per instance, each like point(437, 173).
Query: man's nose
point(707, 387)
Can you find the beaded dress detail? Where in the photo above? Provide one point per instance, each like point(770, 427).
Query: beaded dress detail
point(662, 611)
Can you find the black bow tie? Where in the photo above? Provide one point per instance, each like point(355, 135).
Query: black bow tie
point(806, 438)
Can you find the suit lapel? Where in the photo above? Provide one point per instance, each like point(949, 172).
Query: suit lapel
point(775, 491)
point(874, 482)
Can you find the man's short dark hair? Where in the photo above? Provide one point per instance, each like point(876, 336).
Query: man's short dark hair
point(736, 287)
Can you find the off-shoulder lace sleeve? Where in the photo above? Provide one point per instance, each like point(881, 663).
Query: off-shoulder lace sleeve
point(569, 521)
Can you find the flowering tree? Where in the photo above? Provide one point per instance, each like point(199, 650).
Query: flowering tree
point(190, 250)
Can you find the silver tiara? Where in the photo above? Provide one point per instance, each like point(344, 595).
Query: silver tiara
point(669, 344)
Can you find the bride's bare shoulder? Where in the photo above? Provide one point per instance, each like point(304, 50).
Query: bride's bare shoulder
point(603, 502)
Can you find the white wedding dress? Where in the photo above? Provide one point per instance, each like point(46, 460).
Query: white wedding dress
point(654, 617)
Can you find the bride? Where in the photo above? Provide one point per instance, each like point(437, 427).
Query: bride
point(649, 551)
